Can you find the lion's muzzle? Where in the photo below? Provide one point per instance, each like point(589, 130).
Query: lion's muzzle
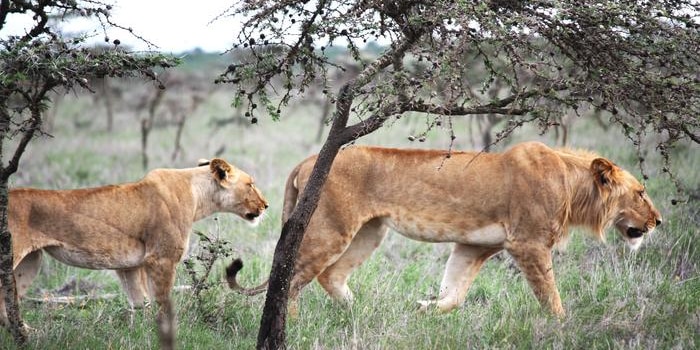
point(634, 232)
point(255, 213)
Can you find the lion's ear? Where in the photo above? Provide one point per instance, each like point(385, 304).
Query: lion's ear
point(604, 172)
point(220, 168)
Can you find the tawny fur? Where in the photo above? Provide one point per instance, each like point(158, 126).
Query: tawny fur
point(141, 230)
point(523, 200)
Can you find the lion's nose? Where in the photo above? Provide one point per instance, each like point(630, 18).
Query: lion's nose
point(658, 222)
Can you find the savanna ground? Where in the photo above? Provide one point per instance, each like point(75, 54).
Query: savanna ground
point(615, 298)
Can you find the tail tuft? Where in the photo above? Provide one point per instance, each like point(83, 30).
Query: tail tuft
point(232, 269)
point(231, 273)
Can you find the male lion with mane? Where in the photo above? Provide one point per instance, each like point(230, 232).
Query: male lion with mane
point(141, 230)
point(523, 200)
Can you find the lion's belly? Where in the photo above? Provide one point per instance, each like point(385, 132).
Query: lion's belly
point(119, 256)
point(493, 235)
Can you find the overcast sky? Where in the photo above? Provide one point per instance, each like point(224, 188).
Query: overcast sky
point(173, 25)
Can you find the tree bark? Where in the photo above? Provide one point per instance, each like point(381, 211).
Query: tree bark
point(109, 103)
point(7, 277)
point(147, 125)
point(272, 324)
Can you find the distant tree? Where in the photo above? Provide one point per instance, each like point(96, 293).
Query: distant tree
point(637, 60)
point(184, 94)
point(32, 66)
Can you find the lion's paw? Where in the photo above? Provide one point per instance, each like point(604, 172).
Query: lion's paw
point(424, 305)
point(28, 328)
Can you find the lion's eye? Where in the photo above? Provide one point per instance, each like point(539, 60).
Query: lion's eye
point(641, 193)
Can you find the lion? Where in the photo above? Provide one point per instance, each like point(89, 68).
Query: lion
point(141, 230)
point(523, 200)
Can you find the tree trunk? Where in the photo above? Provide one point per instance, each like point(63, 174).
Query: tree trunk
point(177, 149)
point(109, 103)
point(7, 277)
point(272, 324)
point(147, 125)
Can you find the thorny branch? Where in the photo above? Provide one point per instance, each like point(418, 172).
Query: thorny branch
point(634, 60)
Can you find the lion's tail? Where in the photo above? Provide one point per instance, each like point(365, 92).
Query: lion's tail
point(232, 271)
point(291, 193)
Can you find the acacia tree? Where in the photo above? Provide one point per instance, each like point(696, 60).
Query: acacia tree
point(32, 66)
point(637, 60)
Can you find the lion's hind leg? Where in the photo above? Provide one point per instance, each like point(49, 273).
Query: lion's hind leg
point(26, 271)
point(321, 247)
point(135, 284)
point(334, 278)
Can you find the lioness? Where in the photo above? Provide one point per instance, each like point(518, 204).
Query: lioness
point(139, 229)
point(522, 200)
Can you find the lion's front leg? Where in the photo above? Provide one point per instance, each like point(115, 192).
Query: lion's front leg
point(334, 278)
point(161, 275)
point(535, 261)
point(462, 267)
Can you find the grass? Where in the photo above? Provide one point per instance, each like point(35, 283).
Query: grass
point(615, 298)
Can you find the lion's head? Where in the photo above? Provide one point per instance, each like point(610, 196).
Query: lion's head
point(626, 202)
point(236, 192)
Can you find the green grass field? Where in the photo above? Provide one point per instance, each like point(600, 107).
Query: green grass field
point(615, 298)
